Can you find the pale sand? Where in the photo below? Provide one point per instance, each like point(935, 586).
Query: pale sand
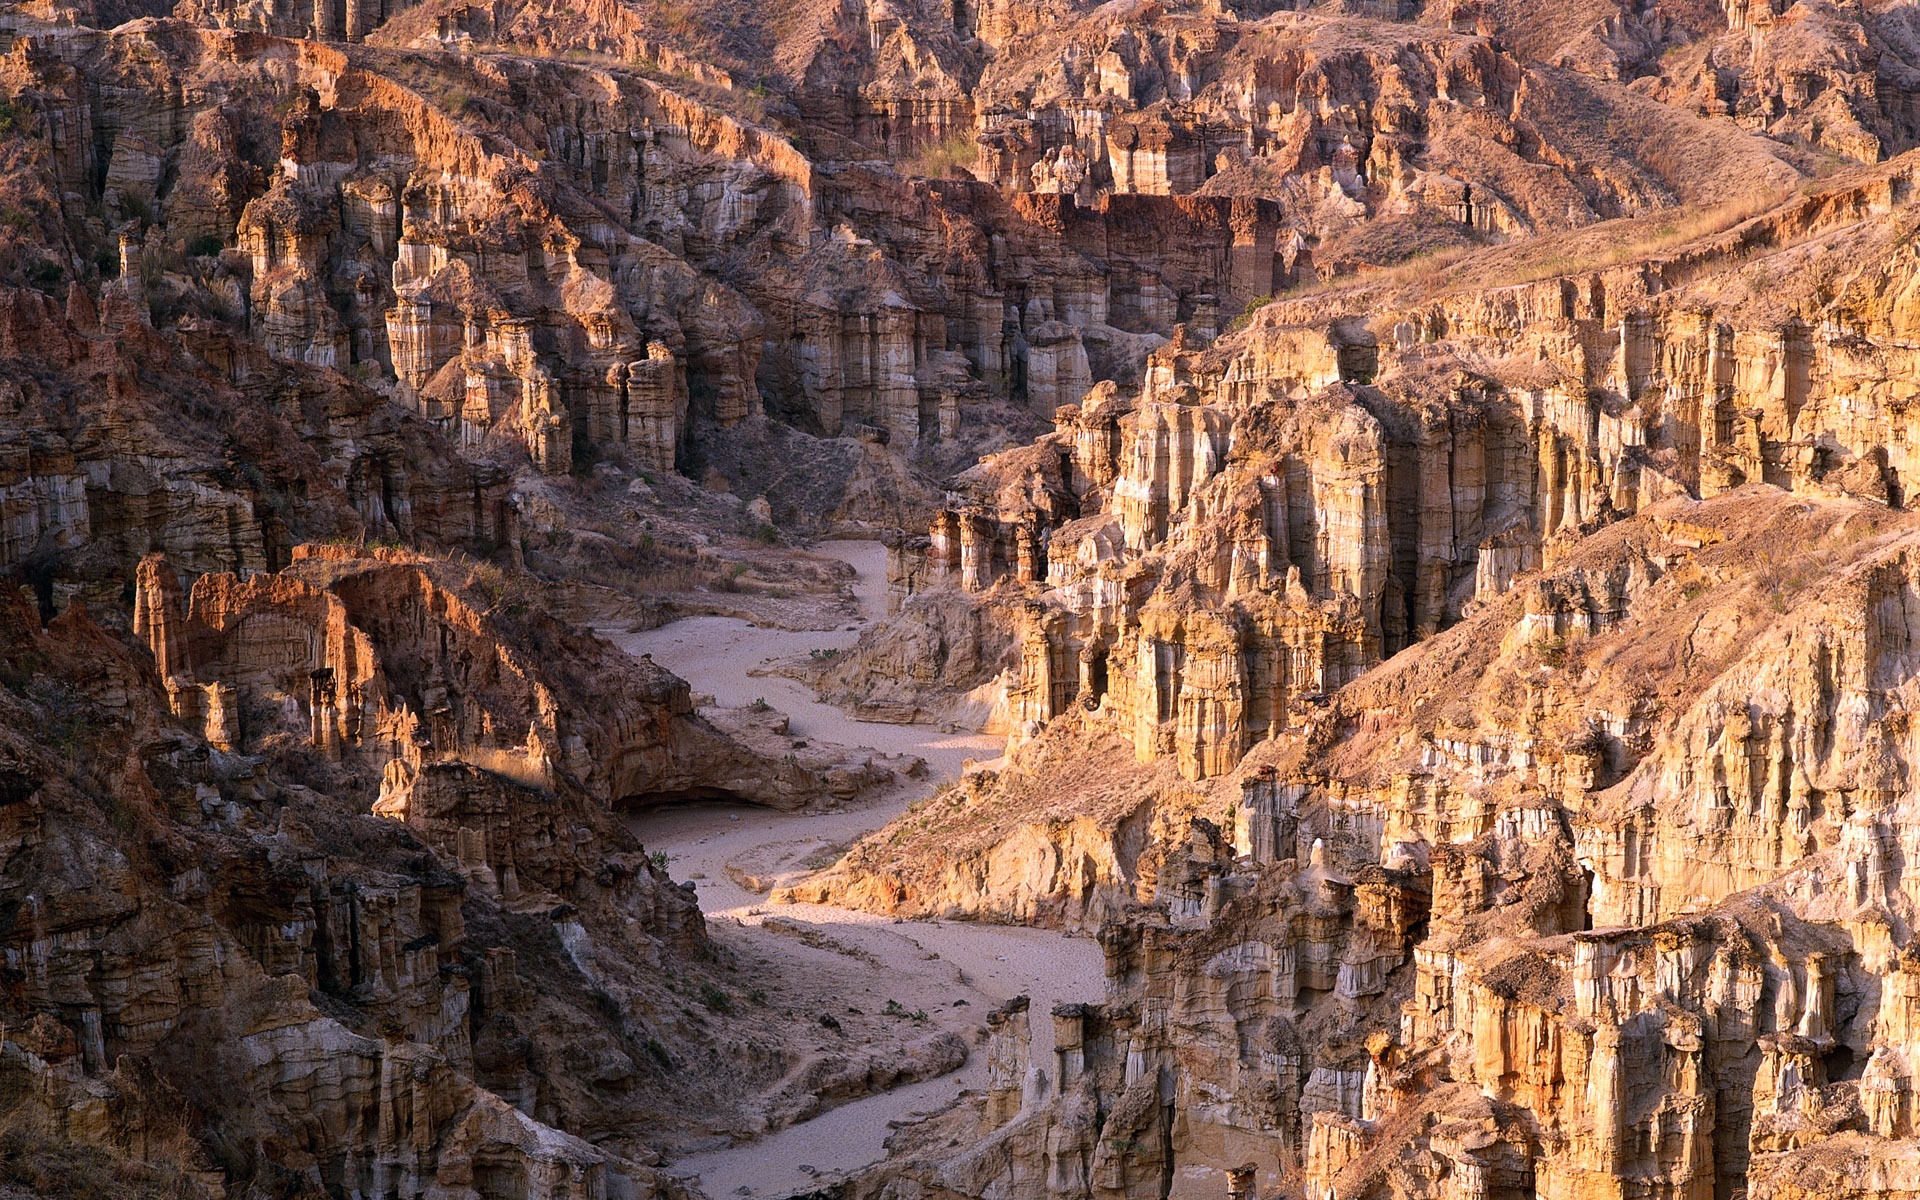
point(923, 965)
point(715, 654)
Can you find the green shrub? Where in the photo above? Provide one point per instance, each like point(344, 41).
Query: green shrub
point(1246, 315)
point(961, 151)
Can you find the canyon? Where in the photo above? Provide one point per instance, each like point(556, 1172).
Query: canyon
point(996, 600)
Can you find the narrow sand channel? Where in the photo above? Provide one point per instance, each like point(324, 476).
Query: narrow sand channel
point(928, 965)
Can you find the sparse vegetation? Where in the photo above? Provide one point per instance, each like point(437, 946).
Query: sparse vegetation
point(960, 151)
point(58, 1167)
point(896, 1009)
point(1250, 575)
point(489, 581)
point(1246, 315)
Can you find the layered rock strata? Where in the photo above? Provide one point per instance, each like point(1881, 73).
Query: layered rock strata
point(1501, 921)
point(387, 662)
point(1202, 562)
point(320, 885)
point(1467, 694)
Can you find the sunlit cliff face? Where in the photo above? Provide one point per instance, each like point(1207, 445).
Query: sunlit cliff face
point(930, 601)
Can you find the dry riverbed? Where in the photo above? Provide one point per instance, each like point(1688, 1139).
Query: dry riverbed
point(942, 974)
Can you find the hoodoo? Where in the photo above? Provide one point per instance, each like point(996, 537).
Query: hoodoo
point(996, 600)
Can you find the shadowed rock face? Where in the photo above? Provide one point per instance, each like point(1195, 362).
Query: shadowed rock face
point(1273, 514)
point(198, 949)
point(1598, 886)
point(321, 881)
point(1422, 488)
point(1519, 754)
point(388, 663)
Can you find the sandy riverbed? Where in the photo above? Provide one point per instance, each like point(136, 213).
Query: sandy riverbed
point(926, 965)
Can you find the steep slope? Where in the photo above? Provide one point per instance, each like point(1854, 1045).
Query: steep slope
point(1516, 685)
point(1422, 487)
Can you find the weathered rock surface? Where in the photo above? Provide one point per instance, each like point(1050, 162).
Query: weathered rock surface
point(1469, 695)
point(1544, 903)
point(333, 855)
point(387, 662)
point(1270, 516)
point(1517, 696)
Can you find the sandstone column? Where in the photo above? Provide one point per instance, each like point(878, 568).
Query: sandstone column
point(1009, 1039)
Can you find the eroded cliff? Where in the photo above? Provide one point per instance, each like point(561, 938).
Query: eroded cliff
point(1422, 488)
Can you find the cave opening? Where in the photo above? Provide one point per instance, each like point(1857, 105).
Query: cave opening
point(1841, 1064)
point(1358, 362)
point(1096, 679)
point(643, 801)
